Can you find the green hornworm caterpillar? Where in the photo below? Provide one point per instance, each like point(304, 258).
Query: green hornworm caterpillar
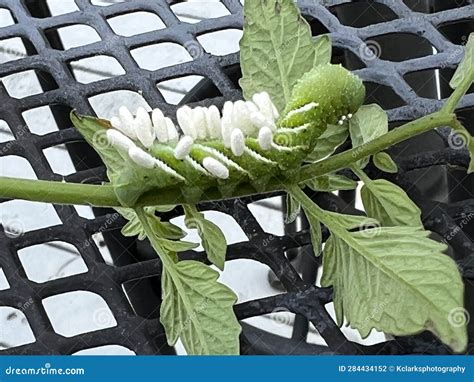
point(249, 143)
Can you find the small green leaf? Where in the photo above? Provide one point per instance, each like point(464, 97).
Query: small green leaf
point(396, 281)
point(351, 222)
point(323, 50)
point(213, 240)
point(465, 70)
point(389, 204)
point(331, 182)
point(293, 208)
point(368, 123)
point(315, 232)
point(276, 49)
point(165, 230)
point(127, 213)
point(94, 131)
point(177, 245)
point(133, 228)
point(199, 310)
point(167, 233)
point(328, 142)
point(384, 162)
point(164, 208)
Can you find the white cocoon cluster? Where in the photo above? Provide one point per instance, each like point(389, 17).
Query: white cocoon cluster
point(144, 129)
point(247, 116)
point(126, 122)
point(239, 120)
point(265, 105)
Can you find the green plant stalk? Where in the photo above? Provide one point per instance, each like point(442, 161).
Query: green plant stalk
point(104, 195)
point(57, 192)
point(360, 174)
point(400, 134)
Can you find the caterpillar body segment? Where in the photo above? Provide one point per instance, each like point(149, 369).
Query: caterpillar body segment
point(335, 90)
point(255, 166)
point(249, 143)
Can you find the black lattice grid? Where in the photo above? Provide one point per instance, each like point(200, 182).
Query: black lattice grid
point(62, 92)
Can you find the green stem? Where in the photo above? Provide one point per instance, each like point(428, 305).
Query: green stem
point(458, 93)
point(360, 174)
point(57, 192)
point(345, 159)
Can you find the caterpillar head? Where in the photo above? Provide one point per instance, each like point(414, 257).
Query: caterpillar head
point(328, 94)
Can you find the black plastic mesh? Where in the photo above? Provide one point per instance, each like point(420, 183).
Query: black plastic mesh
point(402, 74)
